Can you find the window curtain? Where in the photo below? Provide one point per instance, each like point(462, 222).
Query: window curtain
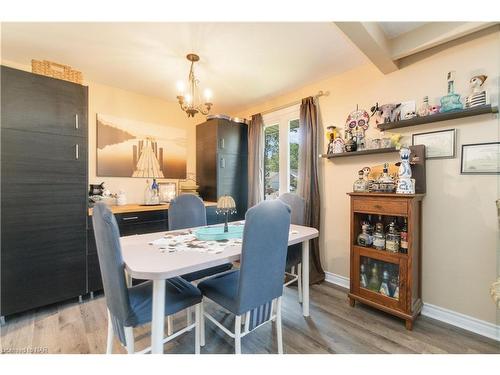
point(308, 183)
point(255, 160)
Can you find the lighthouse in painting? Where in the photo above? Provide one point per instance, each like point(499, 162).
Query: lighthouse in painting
point(146, 158)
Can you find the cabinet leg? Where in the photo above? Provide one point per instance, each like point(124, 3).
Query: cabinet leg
point(352, 302)
point(2, 320)
point(409, 325)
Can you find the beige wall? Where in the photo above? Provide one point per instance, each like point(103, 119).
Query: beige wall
point(459, 215)
point(121, 103)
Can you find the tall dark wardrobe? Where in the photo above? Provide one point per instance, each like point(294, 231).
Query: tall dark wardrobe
point(221, 162)
point(44, 190)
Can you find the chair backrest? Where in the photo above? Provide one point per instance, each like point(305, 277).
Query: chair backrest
point(263, 255)
point(186, 211)
point(107, 238)
point(298, 206)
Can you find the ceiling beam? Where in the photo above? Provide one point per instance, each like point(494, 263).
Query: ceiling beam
point(386, 53)
point(371, 40)
point(432, 34)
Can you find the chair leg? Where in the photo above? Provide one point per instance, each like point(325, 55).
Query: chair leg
point(170, 325)
point(129, 339)
point(109, 341)
point(202, 324)
point(278, 326)
point(189, 313)
point(197, 333)
point(237, 334)
point(299, 281)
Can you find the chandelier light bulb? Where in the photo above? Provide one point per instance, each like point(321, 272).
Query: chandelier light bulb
point(208, 95)
point(188, 98)
point(180, 88)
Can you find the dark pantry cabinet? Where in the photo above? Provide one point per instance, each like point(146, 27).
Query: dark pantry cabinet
point(221, 162)
point(44, 190)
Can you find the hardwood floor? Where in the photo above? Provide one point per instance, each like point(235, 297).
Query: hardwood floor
point(333, 327)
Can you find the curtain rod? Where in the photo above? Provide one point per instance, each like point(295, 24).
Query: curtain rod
point(320, 93)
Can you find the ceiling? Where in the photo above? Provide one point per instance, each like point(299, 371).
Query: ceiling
point(242, 63)
point(394, 29)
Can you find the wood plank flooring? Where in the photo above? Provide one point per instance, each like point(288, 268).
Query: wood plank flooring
point(333, 327)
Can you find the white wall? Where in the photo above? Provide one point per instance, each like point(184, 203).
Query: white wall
point(459, 213)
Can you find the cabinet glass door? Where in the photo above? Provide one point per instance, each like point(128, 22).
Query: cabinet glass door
point(379, 277)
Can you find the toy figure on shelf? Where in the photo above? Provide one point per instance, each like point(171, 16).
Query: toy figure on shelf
point(331, 134)
point(386, 113)
point(478, 94)
point(451, 102)
point(358, 119)
point(351, 141)
point(405, 183)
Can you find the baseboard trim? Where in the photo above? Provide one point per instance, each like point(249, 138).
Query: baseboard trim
point(454, 318)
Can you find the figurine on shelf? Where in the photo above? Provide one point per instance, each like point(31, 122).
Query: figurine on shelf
point(405, 183)
point(451, 101)
point(357, 119)
point(434, 109)
point(338, 145)
point(409, 115)
point(478, 94)
point(331, 135)
point(384, 287)
point(386, 113)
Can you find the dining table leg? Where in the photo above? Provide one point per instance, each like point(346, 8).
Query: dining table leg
point(158, 317)
point(305, 278)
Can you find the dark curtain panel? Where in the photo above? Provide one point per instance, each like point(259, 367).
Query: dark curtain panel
point(308, 183)
point(255, 160)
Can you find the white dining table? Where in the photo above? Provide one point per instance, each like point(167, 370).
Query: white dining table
point(146, 261)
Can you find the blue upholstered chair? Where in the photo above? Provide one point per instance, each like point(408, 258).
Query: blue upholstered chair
point(252, 290)
point(129, 307)
point(294, 255)
point(188, 211)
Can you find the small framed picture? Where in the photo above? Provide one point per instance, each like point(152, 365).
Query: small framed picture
point(438, 145)
point(168, 191)
point(480, 158)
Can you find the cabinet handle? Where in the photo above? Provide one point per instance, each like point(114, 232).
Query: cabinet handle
point(77, 153)
point(77, 126)
point(131, 218)
point(222, 163)
point(221, 142)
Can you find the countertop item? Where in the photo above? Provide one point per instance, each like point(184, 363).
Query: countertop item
point(142, 208)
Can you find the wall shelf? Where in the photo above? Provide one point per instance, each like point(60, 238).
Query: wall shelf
point(356, 153)
point(476, 111)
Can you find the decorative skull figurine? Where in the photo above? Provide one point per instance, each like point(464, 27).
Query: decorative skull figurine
point(405, 183)
point(357, 119)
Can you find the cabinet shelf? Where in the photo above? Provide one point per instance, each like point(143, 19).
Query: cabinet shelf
point(476, 111)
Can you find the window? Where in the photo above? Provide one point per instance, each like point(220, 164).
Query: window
point(281, 152)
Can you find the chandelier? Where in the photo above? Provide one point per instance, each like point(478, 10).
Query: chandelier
point(190, 100)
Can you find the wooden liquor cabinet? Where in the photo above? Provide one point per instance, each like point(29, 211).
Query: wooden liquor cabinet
point(403, 296)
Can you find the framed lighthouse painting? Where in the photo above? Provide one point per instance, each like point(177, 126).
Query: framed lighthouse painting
point(130, 148)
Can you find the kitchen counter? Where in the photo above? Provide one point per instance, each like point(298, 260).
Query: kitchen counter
point(141, 208)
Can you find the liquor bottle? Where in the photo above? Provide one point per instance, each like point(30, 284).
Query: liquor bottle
point(384, 287)
point(360, 185)
point(364, 238)
point(392, 238)
point(363, 279)
point(425, 108)
point(394, 286)
point(451, 101)
point(378, 235)
point(403, 247)
point(374, 283)
point(396, 291)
